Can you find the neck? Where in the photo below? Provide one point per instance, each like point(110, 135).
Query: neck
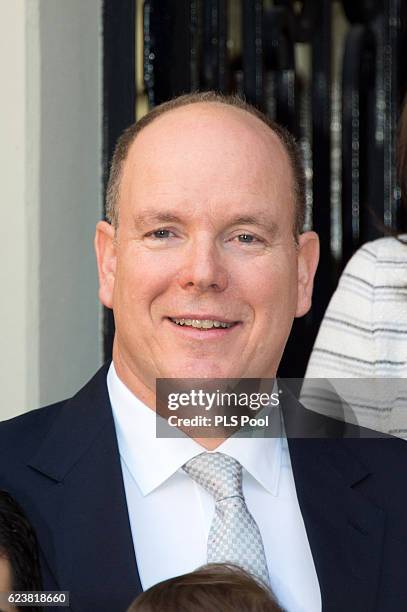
point(147, 395)
point(210, 443)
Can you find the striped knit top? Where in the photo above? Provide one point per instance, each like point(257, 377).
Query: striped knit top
point(364, 335)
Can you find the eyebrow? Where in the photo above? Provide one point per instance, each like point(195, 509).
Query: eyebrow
point(162, 217)
point(168, 217)
point(258, 219)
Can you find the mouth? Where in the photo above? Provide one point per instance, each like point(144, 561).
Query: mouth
point(203, 323)
point(204, 326)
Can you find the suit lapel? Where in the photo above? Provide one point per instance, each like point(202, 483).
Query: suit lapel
point(83, 525)
point(345, 530)
point(89, 537)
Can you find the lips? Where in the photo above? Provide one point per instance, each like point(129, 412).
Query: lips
point(203, 322)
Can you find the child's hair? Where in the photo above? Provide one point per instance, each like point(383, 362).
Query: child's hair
point(211, 588)
point(18, 545)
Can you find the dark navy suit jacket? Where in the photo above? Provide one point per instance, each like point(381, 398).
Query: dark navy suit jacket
point(62, 465)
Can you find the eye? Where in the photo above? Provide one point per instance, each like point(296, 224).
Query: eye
point(159, 234)
point(247, 238)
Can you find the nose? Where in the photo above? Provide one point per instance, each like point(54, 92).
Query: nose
point(203, 268)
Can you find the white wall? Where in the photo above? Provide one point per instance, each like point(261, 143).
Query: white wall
point(50, 160)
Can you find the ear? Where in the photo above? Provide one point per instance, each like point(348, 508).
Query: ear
point(105, 248)
point(308, 257)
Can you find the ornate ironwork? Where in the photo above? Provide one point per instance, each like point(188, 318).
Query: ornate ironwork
point(329, 70)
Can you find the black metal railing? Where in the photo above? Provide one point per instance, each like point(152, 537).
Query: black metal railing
point(331, 71)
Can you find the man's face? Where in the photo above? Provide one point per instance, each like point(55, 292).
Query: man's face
point(205, 235)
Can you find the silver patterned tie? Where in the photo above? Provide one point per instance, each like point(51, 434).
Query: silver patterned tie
point(234, 536)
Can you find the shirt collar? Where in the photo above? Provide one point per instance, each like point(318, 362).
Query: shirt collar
point(151, 460)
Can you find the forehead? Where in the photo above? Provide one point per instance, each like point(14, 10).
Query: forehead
point(205, 149)
point(5, 574)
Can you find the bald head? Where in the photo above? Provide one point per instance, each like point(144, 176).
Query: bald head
point(232, 118)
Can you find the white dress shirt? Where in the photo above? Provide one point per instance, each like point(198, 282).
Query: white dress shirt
point(170, 514)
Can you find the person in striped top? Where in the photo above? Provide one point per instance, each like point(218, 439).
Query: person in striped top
point(364, 331)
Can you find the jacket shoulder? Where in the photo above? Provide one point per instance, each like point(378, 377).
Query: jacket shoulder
point(27, 430)
point(22, 436)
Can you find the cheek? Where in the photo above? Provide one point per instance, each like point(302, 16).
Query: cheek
point(274, 306)
point(140, 279)
point(270, 285)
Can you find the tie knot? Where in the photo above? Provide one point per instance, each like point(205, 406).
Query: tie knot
point(219, 474)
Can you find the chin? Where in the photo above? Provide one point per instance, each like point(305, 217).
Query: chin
point(199, 369)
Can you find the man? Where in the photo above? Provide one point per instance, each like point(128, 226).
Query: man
point(205, 268)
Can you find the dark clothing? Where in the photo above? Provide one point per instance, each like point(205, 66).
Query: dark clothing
point(61, 463)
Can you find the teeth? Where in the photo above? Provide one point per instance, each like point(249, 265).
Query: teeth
point(202, 323)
